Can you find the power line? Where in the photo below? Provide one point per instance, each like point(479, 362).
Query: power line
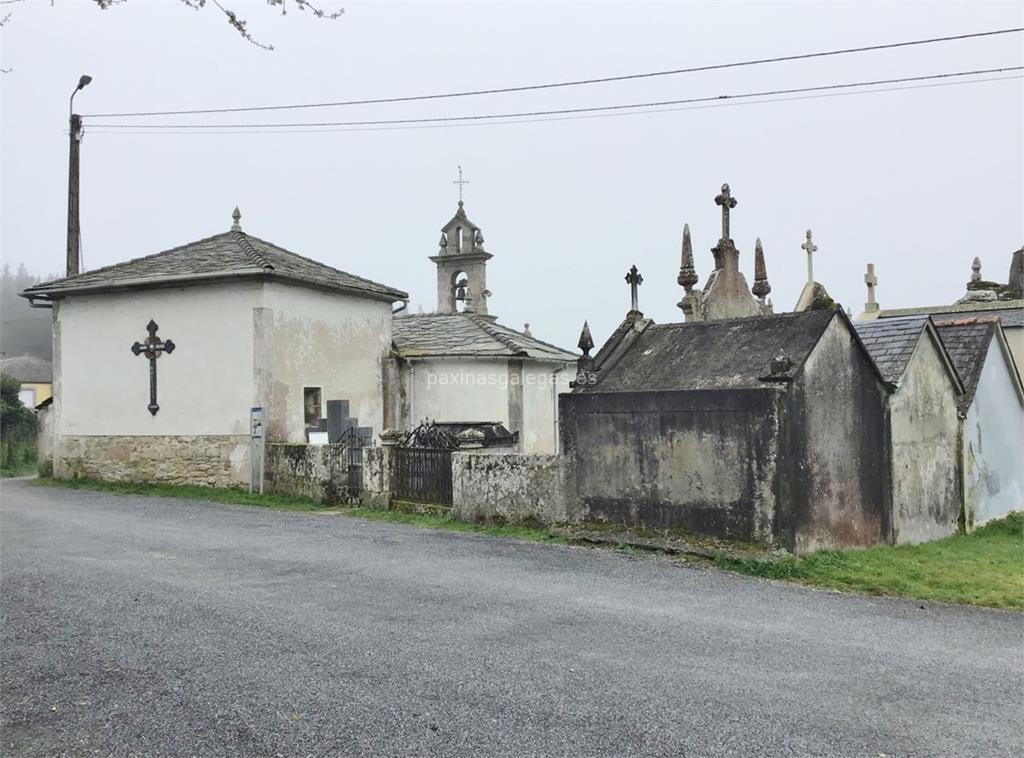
point(568, 111)
point(574, 83)
point(728, 104)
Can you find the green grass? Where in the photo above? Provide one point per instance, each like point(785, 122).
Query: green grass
point(985, 567)
point(23, 468)
point(218, 494)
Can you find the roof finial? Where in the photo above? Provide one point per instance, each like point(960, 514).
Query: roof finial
point(871, 281)
point(976, 270)
point(687, 273)
point(761, 286)
point(236, 217)
point(586, 343)
point(460, 181)
point(526, 330)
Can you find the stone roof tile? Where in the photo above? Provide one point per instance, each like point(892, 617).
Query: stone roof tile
point(461, 334)
point(228, 255)
point(891, 342)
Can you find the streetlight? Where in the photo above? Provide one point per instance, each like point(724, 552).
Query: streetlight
point(75, 135)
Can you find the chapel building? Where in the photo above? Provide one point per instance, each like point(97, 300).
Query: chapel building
point(459, 365)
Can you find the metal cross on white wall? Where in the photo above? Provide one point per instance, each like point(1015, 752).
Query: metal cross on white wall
point(153, 348)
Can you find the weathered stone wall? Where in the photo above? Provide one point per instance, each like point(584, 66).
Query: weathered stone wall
point(924, 427)
point(704, 461)
point(208, 460)
point(835, 486)
point(44, 440)
point(319, 472)
point(511, 488)
point(376, 477)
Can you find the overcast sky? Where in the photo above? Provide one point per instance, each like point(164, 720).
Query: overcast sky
point(917, 181)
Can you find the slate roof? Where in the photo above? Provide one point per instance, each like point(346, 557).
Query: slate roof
point(726, 354)
point(28, 369)
point(1009, 312)
point(967, 343)
point(891, 342)
point(460, 334)
point(233, 254)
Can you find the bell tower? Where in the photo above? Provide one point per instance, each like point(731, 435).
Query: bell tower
point(461, 266)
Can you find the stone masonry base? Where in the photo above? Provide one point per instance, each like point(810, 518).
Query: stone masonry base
point(208, 460)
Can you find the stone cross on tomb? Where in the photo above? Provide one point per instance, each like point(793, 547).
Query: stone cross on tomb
point(460, 181)
point(153, 348)
point(810, 247)
point(871, 281)
point(634, 279)
point(728, 202)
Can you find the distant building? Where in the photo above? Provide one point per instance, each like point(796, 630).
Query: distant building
point(34, 374)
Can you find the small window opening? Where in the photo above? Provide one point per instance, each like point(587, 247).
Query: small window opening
point(312, 405)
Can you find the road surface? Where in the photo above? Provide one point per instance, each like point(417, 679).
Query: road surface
point(152, 626)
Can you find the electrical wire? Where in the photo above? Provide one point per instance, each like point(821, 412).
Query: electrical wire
point(567, 111)
point(574, 83)
point(620, 114)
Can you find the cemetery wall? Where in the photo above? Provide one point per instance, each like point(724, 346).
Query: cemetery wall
point(319, 472)
point(512, 488)
point(206, 460)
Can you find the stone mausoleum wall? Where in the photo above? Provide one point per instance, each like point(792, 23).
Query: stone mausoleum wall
point(319, 472)
point(209, 460)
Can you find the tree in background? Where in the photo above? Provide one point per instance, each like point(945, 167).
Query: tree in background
point(23, 330)
point(17, 430)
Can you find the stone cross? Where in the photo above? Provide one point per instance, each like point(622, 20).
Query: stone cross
point(634, 279)
point(460, 181)
point(727, 201)
point(810, 247)
point(153, 348)
point(872, 281)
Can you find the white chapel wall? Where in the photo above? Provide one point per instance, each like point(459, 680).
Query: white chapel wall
point(994, 442)
point(541, 384)
point(321, 339)
point(454, 389)
point(205, 387)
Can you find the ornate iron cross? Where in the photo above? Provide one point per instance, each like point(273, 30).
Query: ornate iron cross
point(153, 348)
point(634, 280)
point(728, 202)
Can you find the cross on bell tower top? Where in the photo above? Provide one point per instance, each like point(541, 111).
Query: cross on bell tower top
point(460, 181)
point(728, 202)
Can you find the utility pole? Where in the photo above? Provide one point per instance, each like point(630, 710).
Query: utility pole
point(75, 136)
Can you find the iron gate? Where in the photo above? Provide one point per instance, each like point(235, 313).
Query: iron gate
point(422, 474)
point(355, 439)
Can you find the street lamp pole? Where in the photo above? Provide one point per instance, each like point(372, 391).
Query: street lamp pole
point(75, 136)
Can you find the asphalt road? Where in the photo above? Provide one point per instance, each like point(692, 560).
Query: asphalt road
point(150, 626)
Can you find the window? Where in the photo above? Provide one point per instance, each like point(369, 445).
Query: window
point(312, 405)
point(27, 398)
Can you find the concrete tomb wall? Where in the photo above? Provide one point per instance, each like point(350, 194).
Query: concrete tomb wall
point(704, 461)
point(834, 484)
point(993, 443)
point(924, 428)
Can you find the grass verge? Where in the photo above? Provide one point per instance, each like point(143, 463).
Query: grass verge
point(985, 567)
